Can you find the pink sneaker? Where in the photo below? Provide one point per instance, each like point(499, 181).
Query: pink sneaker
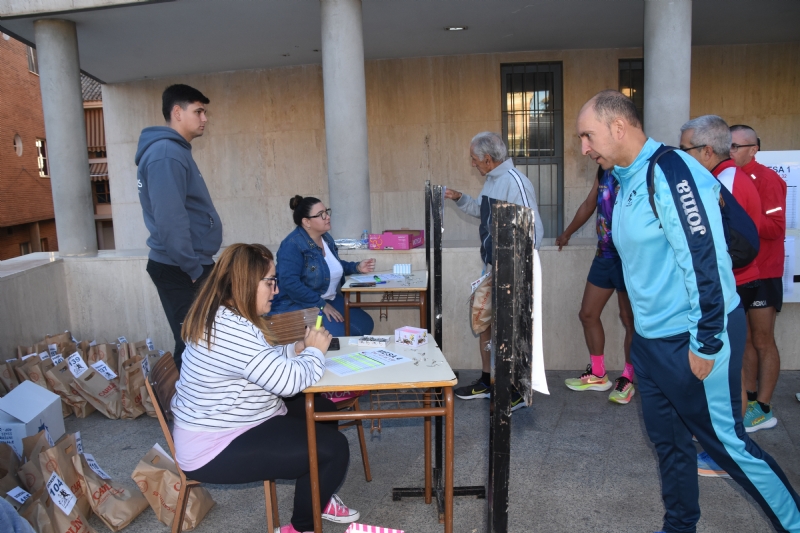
point(288, 528)
point(337, 511)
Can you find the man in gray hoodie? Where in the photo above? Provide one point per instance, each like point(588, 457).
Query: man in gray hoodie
point(185, 229)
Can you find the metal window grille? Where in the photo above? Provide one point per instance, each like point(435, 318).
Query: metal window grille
point(101, 192)
point(533, 127)
point(631, 82)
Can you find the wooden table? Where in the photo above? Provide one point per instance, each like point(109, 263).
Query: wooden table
point(411, 292)
point(430, 372)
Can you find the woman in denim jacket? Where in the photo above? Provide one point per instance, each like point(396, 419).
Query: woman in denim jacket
point(310, 272)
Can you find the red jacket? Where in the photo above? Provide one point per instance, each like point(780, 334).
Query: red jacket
point(745, 192)
point(771, 232)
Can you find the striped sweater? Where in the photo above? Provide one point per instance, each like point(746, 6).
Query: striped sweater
point(241, 379)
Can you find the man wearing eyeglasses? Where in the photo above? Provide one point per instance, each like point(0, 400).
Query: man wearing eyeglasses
point(762, 362)
point(185, 229)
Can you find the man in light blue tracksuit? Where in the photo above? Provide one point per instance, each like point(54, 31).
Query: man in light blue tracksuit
point(690, 328)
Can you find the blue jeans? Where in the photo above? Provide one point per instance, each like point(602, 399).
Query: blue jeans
point(360, 322)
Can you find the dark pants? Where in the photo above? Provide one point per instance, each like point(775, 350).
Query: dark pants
point(676, 405)
point(177, 292)
point(278, 449)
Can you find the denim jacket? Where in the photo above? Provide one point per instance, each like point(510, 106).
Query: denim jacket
point(303, 274)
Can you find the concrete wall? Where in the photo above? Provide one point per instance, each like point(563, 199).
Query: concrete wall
point(266, 142)
point(111, 295)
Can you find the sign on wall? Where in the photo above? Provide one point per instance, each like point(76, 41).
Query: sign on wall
point(787, 165)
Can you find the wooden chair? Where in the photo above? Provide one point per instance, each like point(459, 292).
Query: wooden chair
point(290, 327)
point(164, 375)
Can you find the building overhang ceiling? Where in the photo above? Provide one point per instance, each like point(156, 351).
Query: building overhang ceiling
point(167, 38)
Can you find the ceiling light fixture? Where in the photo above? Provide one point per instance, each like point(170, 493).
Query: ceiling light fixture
point(455, 28)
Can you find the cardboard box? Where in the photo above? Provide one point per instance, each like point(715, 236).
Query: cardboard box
point(27, 410)
point(410, 337)
point(397, 239)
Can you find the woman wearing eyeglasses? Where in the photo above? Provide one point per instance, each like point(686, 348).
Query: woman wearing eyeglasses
point(310, 272)
point(239, 414)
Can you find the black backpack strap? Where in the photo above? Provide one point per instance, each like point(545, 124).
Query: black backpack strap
point(651, 188)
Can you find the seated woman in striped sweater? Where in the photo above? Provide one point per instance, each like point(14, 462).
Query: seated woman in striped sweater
point(239, 414)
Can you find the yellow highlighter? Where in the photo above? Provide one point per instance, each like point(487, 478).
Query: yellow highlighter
point(319, 318)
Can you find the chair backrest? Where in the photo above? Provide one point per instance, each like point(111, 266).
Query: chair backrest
point(157, 405)
point(162, 378)
point(291, 327)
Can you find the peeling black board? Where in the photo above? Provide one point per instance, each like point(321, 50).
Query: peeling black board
point(512, 307)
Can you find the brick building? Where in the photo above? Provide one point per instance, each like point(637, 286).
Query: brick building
point(27, 220)
point(98, 162)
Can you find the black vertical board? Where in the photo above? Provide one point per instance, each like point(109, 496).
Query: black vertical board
point(436, 206)
point(512, 305)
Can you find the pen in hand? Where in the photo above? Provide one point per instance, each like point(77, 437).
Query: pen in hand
point(319, 318)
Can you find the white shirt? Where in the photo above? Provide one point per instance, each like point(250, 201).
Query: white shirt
point(336, 272)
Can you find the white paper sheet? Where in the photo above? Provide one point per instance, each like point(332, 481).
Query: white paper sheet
point(355, 363)
point(538, 378)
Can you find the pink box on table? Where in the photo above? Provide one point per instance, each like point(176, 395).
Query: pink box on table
point(410, 337)
point(397, 239)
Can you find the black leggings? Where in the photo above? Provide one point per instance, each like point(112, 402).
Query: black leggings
point(278, 449)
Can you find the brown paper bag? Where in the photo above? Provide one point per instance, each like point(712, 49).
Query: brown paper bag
point(59, 459)
point(140, 348)
point(7, 374)
point(75, 522)
point(35, 512)
point(9, 465)
point(30, 474)
point(123, 354)
point(3, 389)
point(58, 339)
point(158, 479)
point(60, 380)
point(131, 380)
point(481, 303)
point(113, 503)
point(103, 352)
point(104, 395)
point(147, 402)
point(22, 351)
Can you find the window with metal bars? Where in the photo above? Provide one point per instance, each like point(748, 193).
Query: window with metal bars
point(533, 128)
point(631, 82)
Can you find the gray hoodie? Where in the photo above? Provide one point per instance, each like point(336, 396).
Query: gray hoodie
point(185, 229)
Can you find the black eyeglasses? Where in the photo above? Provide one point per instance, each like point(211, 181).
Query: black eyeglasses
point(693, 147)
point(272, 282)
point(324, 215)
point(735, 146)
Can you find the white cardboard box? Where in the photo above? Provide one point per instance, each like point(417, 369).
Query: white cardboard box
point(410, 337)
point(27, 410)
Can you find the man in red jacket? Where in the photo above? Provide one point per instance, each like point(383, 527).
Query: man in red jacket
point(761, 364)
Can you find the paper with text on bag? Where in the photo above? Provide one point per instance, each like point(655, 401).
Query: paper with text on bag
point(46, 355)
point(76, 365)
point(52, 348)
point(57, 359)
point(94, 466)
point(150, 345)
point(104, 370)
point(78, 442)
point(26, 357)
point(60, 494)
point(19, 494)
point(122, 339)
point(146, 366)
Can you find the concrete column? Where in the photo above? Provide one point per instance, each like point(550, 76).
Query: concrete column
point(345, 91)
point(59, 77)
point(667, 67)
point(36, 237)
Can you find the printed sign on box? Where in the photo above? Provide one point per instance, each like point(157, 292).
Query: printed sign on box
point(27, 410)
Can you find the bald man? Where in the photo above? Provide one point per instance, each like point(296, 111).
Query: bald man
point(690, 327)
